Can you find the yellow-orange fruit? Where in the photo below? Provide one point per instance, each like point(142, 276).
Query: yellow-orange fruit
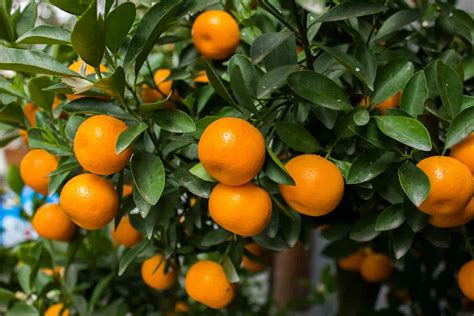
point(376, 268)
point(244, 210)
point(390, 103)
point(353, 262)
point(150, 95)
point(57, 310)
point(29, 110)
point(50, 222)
point(94, 145)
point(207, 283)
point(232, 150)
point(451, 185)
point(154, 274)
point(35, 168)
point(125, 234)
point(465, 279)
point(258, 252)
point(464, 152)
point(319, 185)
point(215, 34)
point(453, 220)
point(201, 77)
point(90, 201)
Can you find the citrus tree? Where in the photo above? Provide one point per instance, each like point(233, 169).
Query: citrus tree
point(188, 139)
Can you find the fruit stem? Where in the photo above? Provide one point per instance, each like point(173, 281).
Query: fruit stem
point(303, 34)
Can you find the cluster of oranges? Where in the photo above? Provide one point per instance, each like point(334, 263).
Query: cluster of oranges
point(373, 267)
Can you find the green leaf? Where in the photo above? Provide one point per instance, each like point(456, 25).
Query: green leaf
point(369, 64)
point(405, 130)
point(390, 218)
point(450, 89)
point(275, 79)
point(174, 121)
point(402, 239)
point(32, 62)
point(14, 180)
point(12, 114)
point(142, 205)
point(438, 237)
point(46, 34)
point(99, 291)
point(276, 171)
point(297, 137)
point(461, 127)
point(215, 237)
point(72, 6)
point(351, 9)
point(396, 22)
point(415, 218)
point(414, 182)
point(368, 165)
point(199, 171)
point(243, 81)
point(415, 94)
point(149, 176)
point(265, 44)
point(230, 270)
point(6, 295)
point(319, 90)
point(27, 18)
point(194, 184)
point(113, 85)
point(364, 229)
point(354, 66)
point(7, 31)
point(96, 106)
point(128, 136)
point(88, 36)
point(391, 79)
point(155, 21)
point(22, 309)
point(117, 25)
point(130, 254)
point(336, 232)
point(41, 98)
point(291, 227)
point(218, 85)
point(340, 248)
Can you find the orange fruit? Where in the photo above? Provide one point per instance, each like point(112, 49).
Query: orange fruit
point(451, 185)
point(58, 270)
point(353, 262)
point(201, 77)
point(57, 310)
point(319, 185)
point(56, 103)
point(50, 222)
point(35, 168)
point(89, 200)
point(376, 268)
point(125, 234)
point(154, 275)
point(465, 277)
point(207, 283)
point(244, 210)
point(232, 150)
point(94, 145)
point(181, 307)
point(127, 190)
point(390, 103)
point(215, 34)
point(150, 95)
point(464, 152)
point(250, 265)
point(29, 110)
point(453, 220)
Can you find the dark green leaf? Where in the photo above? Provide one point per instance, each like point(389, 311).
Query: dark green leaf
point(6, 295)
point(368, 165)
point(402, 239)
point(391, 79)
point(174, 121)
point(351, 9)
point(130, 255)
point(88, 36)
point(450, 89)
point(14, 180)
point(96, 106)
point(275, 79)
point(438, 237)
point(128, 136)
point(214, 237)
point(199, 171)
point(369, 64)
point(396, 22)
point(43, 99)
point(142, 205)
point(99, 290)
point(319, 90)
point(27, 18)
point(118, 23)
point(33, 62)
point(276, 171)
point(218, 85)
point(335, 232)
point(405, 130)
point(149, 176)
point(193, 184)
point(46, 34)
point(22, 309)
point(297, 137)
point(414, 182)
point(390, 218)
point(416, 219)
point(415, 94)
point(229, 269)
point(113, 85)
point(265, 44)
point(461, 127)
point(71, 6)
point(364, 229)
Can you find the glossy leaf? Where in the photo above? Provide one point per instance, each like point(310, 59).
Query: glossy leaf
point(175, 121)
point(368, 165)
point(218, 85)
point(297, 137)
point(461, 127)
point(402, 239)
point(27, 18)
point(113, 85)
point(415, 218)
point(43, 99)
point(46, 34)
point(118, 23)
point(72, 6)
point(230, 270)
point(396, 22)
point(351, 9)
point(275, 79)
point(265, 44)
point(215, 237)
point(415, 94)
point(405, 130)
point(130, 254)
point(414, 182)
point(450, 89)
point(364, 229)
point(96, 106)
point(128, 136)
point(391, 79)
point(148, 175)
point(390, 218)
point(275, 169)
point(199, 171)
